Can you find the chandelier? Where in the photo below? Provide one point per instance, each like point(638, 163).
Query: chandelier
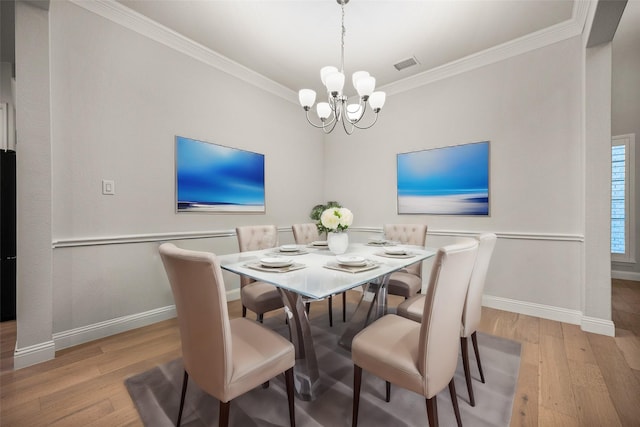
point(338, 108)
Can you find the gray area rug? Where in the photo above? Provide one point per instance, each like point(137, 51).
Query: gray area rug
point(156, 393)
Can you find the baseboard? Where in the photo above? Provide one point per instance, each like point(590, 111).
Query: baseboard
point(110, 327)
point(573, 317)
point(558, 314)
point(33, 354)
point(625, 275)
point(233, 294)
point(598, 326)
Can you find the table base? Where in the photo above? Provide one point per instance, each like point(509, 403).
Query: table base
point(306, 373)
point(372, 306)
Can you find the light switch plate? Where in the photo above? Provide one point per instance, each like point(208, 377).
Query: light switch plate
point(108, 187)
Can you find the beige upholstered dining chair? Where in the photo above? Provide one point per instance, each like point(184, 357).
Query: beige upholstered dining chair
point(225, 358)
point(420, 357)
point(472, 313)
point(259, 297)
point(408, 281)
point(304, 234)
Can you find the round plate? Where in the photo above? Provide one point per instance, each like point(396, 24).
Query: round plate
point(288, 248)
point(320, 243)
point(351, 260)
point(276, 262)
point(395, 251)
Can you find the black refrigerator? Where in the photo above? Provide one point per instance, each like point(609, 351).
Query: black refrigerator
point(7, 235)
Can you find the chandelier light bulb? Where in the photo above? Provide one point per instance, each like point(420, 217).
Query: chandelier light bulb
point(324, 110)
point(334, 82)
point(357, 76)
point(376, 100)
point(365, 86)
point(307, 98)
point(354, 112)
point(324, 71)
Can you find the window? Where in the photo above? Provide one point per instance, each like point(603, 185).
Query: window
point(623, 198)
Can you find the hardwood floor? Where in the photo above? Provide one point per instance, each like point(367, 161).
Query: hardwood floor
point(567, 377)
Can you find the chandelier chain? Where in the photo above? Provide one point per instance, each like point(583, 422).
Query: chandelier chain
point(344, 30)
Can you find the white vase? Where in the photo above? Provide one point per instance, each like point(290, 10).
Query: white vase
point(338, 242)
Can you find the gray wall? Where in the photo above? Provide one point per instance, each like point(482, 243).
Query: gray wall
point(529, 107)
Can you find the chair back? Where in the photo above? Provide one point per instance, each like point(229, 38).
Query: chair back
point(255, 238)
point(444, 300)
point(201, 304)
point(408, 234)
point(473, 305)
point(305, 233)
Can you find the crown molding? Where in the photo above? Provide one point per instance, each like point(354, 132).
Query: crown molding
point(122, 15)
point(547, 36)
point(117, 13)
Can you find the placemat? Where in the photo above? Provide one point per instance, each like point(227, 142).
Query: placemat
point(370, 265)
point(292, 267)
point(381, 244)
point(400, 256)
point(298, 252)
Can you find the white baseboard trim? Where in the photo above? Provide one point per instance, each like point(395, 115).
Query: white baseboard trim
point(110, 327)
point(625, 275)
point(33, 354)
point(565, 315)
point(233, 294)
point(598, 326)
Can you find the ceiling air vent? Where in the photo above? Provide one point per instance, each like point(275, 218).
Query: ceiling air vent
point(406, 63)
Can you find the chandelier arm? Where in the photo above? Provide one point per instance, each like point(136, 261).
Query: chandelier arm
point(334, 123)
point(367, 127)
point(344, 126)
point(322, 126)
point(363, 105)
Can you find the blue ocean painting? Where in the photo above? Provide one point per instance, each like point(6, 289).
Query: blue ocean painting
point(446, 181)
point(211, 177)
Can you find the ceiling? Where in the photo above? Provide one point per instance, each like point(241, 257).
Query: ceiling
point(288, 41)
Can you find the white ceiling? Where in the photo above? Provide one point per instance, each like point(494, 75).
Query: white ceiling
point(288, 41)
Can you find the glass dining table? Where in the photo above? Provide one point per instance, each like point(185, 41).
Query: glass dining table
point(307, 273)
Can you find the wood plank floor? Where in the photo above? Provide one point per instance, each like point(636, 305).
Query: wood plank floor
point(567, 377)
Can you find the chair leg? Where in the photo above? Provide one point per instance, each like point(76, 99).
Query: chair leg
point(454, 401)
point(307, 307)
point(223, 419)
point(474, 339)
point(261, 317)
point(357, 379)
point(185, 381)
point(288, 375)
point(388, 396)
point(244, 311)
point(464, 344)
point(432, 411)
point(344, 306)
point(330, 299)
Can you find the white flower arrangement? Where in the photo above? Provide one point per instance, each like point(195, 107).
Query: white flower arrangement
point(336, 219)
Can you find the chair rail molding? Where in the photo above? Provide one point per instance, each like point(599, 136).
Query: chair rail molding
point(209, 234)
